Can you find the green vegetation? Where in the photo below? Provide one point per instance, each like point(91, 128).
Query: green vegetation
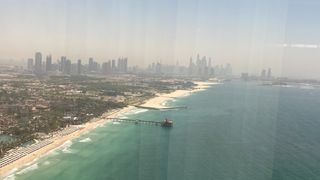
point(31, 105)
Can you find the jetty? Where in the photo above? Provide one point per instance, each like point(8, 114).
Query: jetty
point(162, 108)
point(139, 121)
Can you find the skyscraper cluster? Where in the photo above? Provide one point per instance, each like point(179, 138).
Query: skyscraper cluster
point(203, 67)
point(65, 66)
point(266, 74)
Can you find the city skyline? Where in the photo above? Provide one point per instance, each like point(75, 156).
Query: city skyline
point(201, 67)
point(249, 34)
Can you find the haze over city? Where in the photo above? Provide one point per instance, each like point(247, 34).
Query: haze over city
point(248, 34)
point(159, 89)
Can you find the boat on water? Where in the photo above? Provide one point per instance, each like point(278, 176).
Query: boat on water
point(167, 123)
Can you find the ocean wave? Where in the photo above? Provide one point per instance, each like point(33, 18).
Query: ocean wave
point(115, 122)
point(134, 111)
point(85, 140)
point(52, 152)
point(123, 117)
point(101, 125)
point(46, 163)
point(28, 169)
point(67, 151)
point(140, 111)
point(11, 175)
point(307, 87)
point(65, 147)
point(164, 103)
point(287, 86)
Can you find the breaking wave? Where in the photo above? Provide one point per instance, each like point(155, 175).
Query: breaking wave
point(85, 140)
point(28, 169)
point(138, 111)
point(133, 111)
point(11, 174)
point(65, 148)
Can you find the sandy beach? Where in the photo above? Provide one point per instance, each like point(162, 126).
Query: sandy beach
point(156, 102)
point(160, 100)
point(58, 141)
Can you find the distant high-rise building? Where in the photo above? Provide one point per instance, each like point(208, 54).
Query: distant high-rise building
point(48, 63)
point(263, 74)
point(210, 69)
point(106, 67)
point(123, 65)
point(79, 67)
point(158, 68)
point(228, 70)
point(38, 62)
point(30, 64)
point(245, 76)
point(198, 60)
point(190, 72)
point(62, 65)
point(91, 65)
point(67, 67)
point(120, 65)
point(269, 73)
point(113, 65)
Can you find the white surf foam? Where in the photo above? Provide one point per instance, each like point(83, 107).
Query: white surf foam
point(46, 163)
point(307, 87)
point(28, 169)
point(138, 111)
point(133, 111)
point(10, 175)
point(101, 125)
point(65, 148)
point(115, 122)
point(85, 140)
point(123, 117)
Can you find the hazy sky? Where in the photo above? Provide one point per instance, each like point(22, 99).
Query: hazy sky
point(249, 34)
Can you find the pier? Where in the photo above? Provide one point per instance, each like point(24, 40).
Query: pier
point(137, 121)
point(162, 108)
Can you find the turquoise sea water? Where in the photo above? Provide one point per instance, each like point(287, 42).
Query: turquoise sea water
point(240, 131)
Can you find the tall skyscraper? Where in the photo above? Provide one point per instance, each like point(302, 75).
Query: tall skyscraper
point(125, 65)
point(122, 65)
point(190, 72)
point(38, 62)
point(91, 65)
point(263, 74)
point(158, 68)
point(113, 65)
point(119, 66)
point(67, 67)
point(30, 64)
point(228, 70)
point(106, 67)
point(79, 67)
point(48, 63)
point(269, 73)
point(62, 65)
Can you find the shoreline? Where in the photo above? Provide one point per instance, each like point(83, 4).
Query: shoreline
point(160, 100)
point(156, 102)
